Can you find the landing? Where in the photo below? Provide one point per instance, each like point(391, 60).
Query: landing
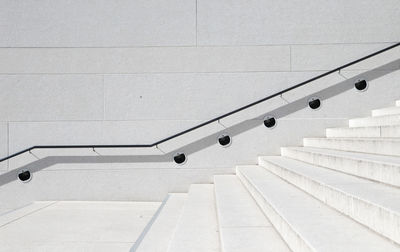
point(75, 226)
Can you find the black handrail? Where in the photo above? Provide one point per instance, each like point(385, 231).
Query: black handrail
point(207, 122)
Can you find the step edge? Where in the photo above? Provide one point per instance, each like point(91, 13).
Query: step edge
point(346, 194)
point(299, 149)
point(247, 183)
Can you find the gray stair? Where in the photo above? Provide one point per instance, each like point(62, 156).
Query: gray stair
point(386, 111)
point(386, 120)
point(377, 131)
point(384, 146)
point(197, 229)
point(373, 204)
point(305, 223)
point(384, 169)
point(242, 224)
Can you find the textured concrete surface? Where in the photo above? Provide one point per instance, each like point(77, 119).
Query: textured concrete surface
point(385, 169)
point(384, 146)
point(242, 224)
point(197, 228)
point(75, 226)
point(159, 235)
point(373, 131)
point(337, 189)
point(305, 223)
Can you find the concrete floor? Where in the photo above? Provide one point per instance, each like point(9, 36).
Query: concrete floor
point(75, 226)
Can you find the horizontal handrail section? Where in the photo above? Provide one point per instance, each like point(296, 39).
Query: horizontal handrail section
point(206, 122)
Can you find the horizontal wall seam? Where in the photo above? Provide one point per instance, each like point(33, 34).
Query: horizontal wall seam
point(200, 72)
point(198, 46)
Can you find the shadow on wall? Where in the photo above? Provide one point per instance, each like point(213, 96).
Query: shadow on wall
point(209, 140)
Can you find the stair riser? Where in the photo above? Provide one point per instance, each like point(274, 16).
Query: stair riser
point(368, 146)
point(386, 131)
point(353, 132)
point(383, 221)
point(373, 121)
point(386, 111)
point(290, 236)
point(388, 174)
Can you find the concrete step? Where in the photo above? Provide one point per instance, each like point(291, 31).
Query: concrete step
point(384, 146)
point(197, 229)
point(375, 205)
point(377, 131)
point(305, 223)
point(242, 224)
point(384, 169)
point(386, 120)
point(159, 235)
point(386, 111)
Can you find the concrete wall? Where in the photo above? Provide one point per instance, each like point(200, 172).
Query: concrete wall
point(127, 72)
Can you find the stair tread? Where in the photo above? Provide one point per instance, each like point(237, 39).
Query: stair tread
point(197, 228)
point(243, 226)
point(323, 228)
point(390, 160)
point(160, 234)
point(376, 193)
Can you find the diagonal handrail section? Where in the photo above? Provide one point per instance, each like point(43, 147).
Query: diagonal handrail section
point(209, 121)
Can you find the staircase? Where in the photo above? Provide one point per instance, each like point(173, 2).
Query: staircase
point(339, 193)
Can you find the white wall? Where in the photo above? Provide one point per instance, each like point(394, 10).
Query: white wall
point(128, 72)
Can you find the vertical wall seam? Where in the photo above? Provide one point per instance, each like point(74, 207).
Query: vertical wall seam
point(290, 58)
point(196, 20)
point(104, 97)
point(8, 146)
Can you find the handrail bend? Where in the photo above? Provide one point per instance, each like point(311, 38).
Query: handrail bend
point(209, 121)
